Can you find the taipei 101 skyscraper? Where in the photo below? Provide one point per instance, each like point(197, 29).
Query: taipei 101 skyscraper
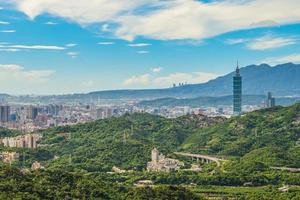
point(237, 92)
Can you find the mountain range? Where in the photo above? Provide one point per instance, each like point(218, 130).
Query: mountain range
point(281, 80)
point(215, 101)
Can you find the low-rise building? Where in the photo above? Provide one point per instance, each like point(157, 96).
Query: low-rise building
point(160, 163)
point(118, 170)
point(22, 141)
point(9, 157)
point(144, 183)
point(36, 166)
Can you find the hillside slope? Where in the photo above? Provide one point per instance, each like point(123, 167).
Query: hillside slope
point(271, 136)
point(124, 142)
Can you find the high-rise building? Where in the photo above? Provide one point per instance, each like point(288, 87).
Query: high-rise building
point(4, 113)
point(237, 92)
point(270, 102)
point(52, 109)
point(32, 112)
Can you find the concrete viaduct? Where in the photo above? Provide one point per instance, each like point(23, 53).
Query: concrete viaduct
point(202, 158)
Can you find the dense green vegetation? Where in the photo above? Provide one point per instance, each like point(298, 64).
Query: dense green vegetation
point(59, 184)
point(7, 133)
point(77, 158)
point(125, 142)
point(268, 136)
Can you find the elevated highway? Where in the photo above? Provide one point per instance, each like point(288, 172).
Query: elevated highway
point(201, 157)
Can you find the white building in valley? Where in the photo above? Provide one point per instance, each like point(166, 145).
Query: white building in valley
point(160, 163)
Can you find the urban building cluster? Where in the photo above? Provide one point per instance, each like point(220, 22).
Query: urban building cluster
point(21, 141)
point(28, 118)
point(159, 163)
point(177, 111)
point(31, 118)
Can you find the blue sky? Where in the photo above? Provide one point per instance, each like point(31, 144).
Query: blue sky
point(55, 47)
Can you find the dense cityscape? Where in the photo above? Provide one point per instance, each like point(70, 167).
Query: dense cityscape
point(29, 118)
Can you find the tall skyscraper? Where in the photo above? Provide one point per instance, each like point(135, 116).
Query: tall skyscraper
point(237, 92)
point(4, 113)
point(32, 112)
point(270, 101)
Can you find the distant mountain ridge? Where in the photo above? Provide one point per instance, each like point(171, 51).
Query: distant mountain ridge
point(215, 101)
point(281, 80)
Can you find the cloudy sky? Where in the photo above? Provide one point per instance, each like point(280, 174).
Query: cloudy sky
point(55, 46)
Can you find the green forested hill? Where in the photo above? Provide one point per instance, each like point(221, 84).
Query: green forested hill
point(271, 136)
point(77, 158)
point(125, 142)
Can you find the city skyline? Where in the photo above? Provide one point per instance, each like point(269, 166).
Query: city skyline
point(44, 49)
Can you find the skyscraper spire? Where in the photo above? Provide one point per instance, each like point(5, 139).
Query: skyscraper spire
point(237, 71)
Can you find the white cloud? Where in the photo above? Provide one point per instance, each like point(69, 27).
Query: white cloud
point(156, 69)
point(88, 84)
point(138, 80)
point(105, 28)
point(167, 20)
point(4, 23)
point(106, 43)
point(148, 80)
point(51, 23)
point(294, 58)
point(13, 72)
point(270, 42)
point(8, 31)
point(71, 45)
point(79, 11)
point(139, 45)
point(190, 42)
point(36, 47)
point(142, 52)
point(10, 50)
point(190, 19)
point(40, 47)
point(236, 41)
point(38, 75)
point(73, 54)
